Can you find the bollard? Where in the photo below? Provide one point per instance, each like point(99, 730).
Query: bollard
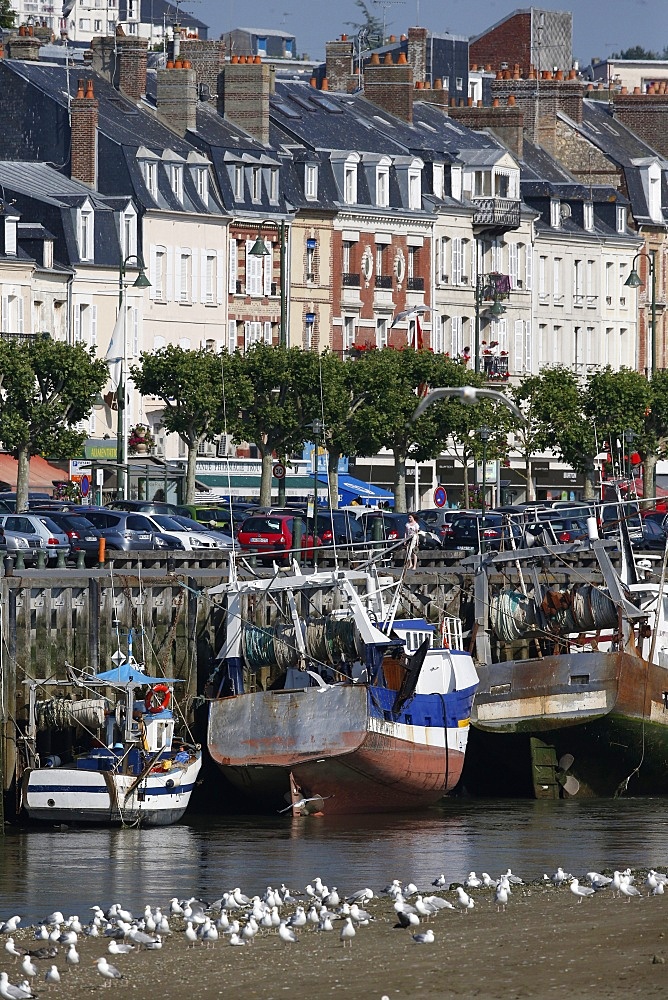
point(8, 563)
point(101, 546)
point(60, 561)
point(41, 559)
point(81, 559)
point(297, 533)
point(20, 561)
point(377, 531)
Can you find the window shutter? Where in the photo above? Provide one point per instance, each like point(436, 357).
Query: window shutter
point(438, 251)
point(501, 334)
point(247, 335)
point(152, 271)
point(135, 332)
point(204, 286)
point(528, 347)
point(233, 268)
point(267, 333)
point(519, 346)
point(456, 275)
point(268, 263)
point(5, 313)
point(19, 314)
point(169, 291)
point(194, 276)
point(513, 261)
point(93, 326)
point(249, 268)
point(77, 324)
point(231, 335)
point(528, 268)
point(220, 273)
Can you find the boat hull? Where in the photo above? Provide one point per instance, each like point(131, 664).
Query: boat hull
point(333, 744)
point(73, 795)
point(614, 724)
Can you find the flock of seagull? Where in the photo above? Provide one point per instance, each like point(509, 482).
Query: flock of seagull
point(239, 918)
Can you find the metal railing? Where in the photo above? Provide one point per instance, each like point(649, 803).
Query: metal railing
point(496, 212)
point(351, 279)
point(383, 281)
point(415, 285)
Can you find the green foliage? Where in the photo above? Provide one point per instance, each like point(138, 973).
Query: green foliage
point(372, 24)
point(638, 52)
point(7, 14)
point(47, 387)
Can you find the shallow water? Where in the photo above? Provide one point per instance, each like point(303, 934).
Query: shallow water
point(43, 869)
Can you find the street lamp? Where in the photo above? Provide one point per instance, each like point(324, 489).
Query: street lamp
point(635, 281)
point(317, 427)
point(628, 437)
point(260, 249)
point(484, 433)
point(141, 281)
point(496, 310)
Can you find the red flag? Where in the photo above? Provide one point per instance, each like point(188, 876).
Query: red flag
point(419, 339)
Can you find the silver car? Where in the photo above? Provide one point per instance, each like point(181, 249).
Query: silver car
point(39, 531)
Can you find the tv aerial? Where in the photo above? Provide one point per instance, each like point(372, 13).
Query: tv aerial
point(385, 4)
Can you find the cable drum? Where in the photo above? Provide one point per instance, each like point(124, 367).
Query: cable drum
point(590, 610)
point(512, 615)
point(61, 713)
point(257, 646)
point(318, 641)
point(286, 652)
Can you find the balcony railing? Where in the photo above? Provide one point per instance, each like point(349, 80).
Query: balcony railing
point(23, 338)
point(383, 281)
point(495, 368)
point(416, 284)
point(503, 212)
point(351, 279)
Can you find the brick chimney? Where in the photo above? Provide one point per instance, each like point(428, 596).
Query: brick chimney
point(340, 71)
point(389, 85)
point(646, 115)
point(177, 97)
point(506, 122)
point(540, 101)
point(431, 95)
point(417, 52)
point(25, 45)
point(207, 58)
point(248, 87)
point(84, 112)
point(122, 61)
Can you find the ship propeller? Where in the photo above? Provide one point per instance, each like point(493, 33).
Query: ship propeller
point(568, 782)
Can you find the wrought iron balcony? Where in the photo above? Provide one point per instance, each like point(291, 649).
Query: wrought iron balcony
point(495, 367)
point(383, 281)
point(415, 285)
point(23, 338)
point(351, 279)
point(502, 213)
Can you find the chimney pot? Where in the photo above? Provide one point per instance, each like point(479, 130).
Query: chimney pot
point(388, 59)
point(499, 74)
point(572, 74)
point(375, 61)
point(402, 61)
point(392, 39)
point(325, 83)
point(314, 82)
point(170, 64)
point(234, 60)
point(469, 102)
point(590, 86)
point(479, 104)
point(559, 75)
point(178, 64)
point(624, 90)
point(636, 90)
point(257, 60)
point(344, 37)
point(80, 89)
point(511, 100)
point(495, 102)
point(438, 83)
point(90, 96)
point(488, 68)
point(404, 38)
point(22, 31)
point(517, 75)
point(453, 103)
point(419, 85)
point(31, 31)
point(474, 68)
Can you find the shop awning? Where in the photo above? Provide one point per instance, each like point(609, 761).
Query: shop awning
point(249, 486)
point(42, 473)
point(350, 489)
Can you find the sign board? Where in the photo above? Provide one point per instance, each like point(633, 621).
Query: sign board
point(278, 471)
point(84, 486)
point(440, 497)
point(99, 477)
point(80, 467)
point(490, 473)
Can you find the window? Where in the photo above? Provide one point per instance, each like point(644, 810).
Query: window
point(273, 185)
point(150, 171)
point(381, 333)
point(555, 213)
point(414, 190)
point(348, 332)
point(496, 253)
point(128, 234)
point(97, 25)
point(202, 183)
point(513, 264)
point(591, 283)
point(556, 280)
point(210, 278)
point(459, 83)
point(238, 183)
point(256, 177)
point(252, 334)
point(542, 288)
point(609, 281)
point(10, 236)
point(440, 323)
point(233, 267)
point(588, 216)
point(185, 276)
point(456, 336)
point(502, 185)
point(347, 247)
point(86, 219)
point(457, 261)
point(382, 187)
point(528, 267)
point(413, 260)
point(309, 326)
point(311, 181)
point(231, 335)
point(621, 219)
point(438, 175)
point(254, 283)
point(380, 258)
point(311, 248)
point(578, 282)
point(176, 180)
point(48, 253)
point(261, 45)
point(482, 184)
point(350, 184)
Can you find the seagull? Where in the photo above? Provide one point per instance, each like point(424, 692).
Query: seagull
point(560, 876)
point(72, 956)
point(52, 975)
point(107, 971)
point(513, 879)
point(28, 968)
point(10, 925)
point(629, 890)
point(463, 901)
point(347, 932)
point(501, 895)
point(440, 881)
point(658, 889)
point(286, 933)
point(598, 881)
point(115, 948)
point(13, 949)
point(236, 941)
point(9, 992)
point(411, 313)
point(406, 920)
point(426, 938)
point(473, 882)
point(470, 394)
point(191, 935)
point(581, 890)
point(437, 903)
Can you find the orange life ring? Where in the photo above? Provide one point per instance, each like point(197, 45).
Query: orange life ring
point(153, 702)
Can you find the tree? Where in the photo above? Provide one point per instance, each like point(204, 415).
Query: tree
point(370, 23)
point(7, 14)
point(636, 52)
point(653, 441)
point(47, 387)
point(198, 389)
point(528, 437)
point(277, 406)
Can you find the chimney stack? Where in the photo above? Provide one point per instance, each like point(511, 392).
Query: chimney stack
point(207, 58)
point(177, 97)
point(389, 85)
point(122, 62)
point(340, 69)
point(84, 111)
point(24, 46)
point(646, 115)
point(417, 52)
point(248, 87)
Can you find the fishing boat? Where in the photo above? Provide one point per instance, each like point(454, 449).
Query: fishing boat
point(573, 693)
point(323, 699)
point(133, 771)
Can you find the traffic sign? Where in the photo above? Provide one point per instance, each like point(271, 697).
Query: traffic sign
point(440, 496)
point(278, 471)
point(84, 486)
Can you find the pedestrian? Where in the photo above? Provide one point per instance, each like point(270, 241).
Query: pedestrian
point(411, 534)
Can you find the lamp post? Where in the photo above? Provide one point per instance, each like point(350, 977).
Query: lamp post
point(628, 437)
point(317, 427)
point(635, 281)
point(496, 310)
point(484, 433)
point(141, 281)
point(260, 249)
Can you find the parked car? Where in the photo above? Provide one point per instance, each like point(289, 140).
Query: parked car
point(123, 530)
point(146, 506)
point(8, 499)
point(611, 514)
point(654, 535)
point(82, 534)
point(272, 534)
point(442, 526)
point(393, 528)
point(38, 528)
point(339, 527)
point(221, 540)
point(494, 530)
point(13, 542)
point(184, 538)
point(554, 530)
point(219, 517)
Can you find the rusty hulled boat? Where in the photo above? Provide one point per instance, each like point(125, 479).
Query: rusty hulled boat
point(337, 706)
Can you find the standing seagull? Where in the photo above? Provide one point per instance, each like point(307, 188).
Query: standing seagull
point(581, 890)
point(107, 971)
point(629, 890)
point(426, 938)
point(463, 901)
point(52, 975)
point(347, 932)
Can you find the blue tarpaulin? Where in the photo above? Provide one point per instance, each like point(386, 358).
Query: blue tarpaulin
point(351, 488)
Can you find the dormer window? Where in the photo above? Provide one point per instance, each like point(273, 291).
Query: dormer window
point(438, 175)
point(588, 216)
point(85, 232)
point(202, 183)
point(128, 226)
point(415, 189)
point(176, 180)
point(555, 213)
point(382, 185)
point(350, 184)
point(150, 172)
point(238, 182)
point(273, 185)
point(311, 181)
point(621, 219)
point(48, 253)
point(10, 237)
point(502, 185)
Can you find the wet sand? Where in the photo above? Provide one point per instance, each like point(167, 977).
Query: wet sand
point(545, 944)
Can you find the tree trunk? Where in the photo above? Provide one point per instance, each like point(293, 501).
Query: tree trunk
point(190, 472)
point(467, 492)
point(531, 486)
point(333, 477)
point(22, 478)
point(399, 483)
point(265, 482)
point(649, 478)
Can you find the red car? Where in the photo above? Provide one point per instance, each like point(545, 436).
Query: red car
point(271, 534)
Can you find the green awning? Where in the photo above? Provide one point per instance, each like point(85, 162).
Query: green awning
point(240, 486)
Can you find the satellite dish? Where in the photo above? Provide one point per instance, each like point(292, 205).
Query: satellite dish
point(204, 92)
point(565, 211)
